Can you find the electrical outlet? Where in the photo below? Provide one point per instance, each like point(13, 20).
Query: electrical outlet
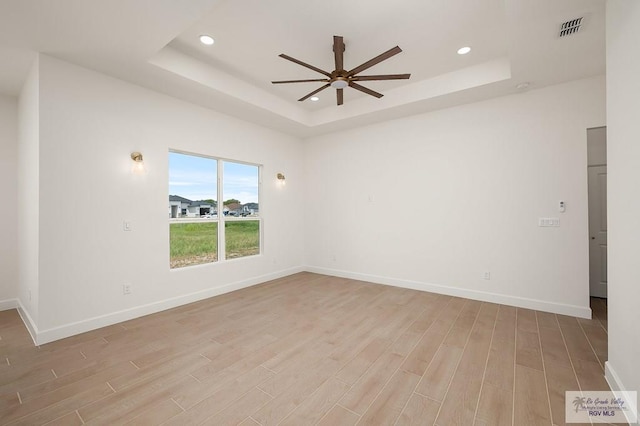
point(127, 225)
point(487, 275)
point(126, 289)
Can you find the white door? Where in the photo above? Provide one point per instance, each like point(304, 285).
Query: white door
point(598, 231)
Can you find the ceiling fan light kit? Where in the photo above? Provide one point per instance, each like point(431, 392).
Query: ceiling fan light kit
point(340, 83)
point(340, 78)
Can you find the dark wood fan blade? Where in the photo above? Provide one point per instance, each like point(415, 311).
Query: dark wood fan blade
point(338, 52)
point(311, 67)
point(300, 81)
point(384, 56)
point(340, 95)
point(381, 77)
point(314, 92)
point(365, 90)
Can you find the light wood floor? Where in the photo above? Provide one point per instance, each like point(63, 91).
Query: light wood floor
point(304, 350)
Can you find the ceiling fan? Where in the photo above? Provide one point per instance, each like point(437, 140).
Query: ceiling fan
point(341, 78)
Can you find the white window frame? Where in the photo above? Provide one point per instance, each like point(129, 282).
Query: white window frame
point(220, 218)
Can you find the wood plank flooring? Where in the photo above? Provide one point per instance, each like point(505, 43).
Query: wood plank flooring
point(304, 350)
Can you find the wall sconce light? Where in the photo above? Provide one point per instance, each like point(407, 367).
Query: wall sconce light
point(138, 167)
point(280, 177)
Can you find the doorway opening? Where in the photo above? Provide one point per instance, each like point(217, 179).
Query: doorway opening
point(597, 172)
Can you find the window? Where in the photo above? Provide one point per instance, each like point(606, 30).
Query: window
point(202, 230)
point(242, 230)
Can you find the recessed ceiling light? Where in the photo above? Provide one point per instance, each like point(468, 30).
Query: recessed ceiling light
point(314, 99)
point(464, 50)
point(208, 40)
point(523, 85)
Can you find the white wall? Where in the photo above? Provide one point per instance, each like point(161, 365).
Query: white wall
point(433, 201)
point(623, 156)
point(28, 196)
point(9, 207)
point(89, 125)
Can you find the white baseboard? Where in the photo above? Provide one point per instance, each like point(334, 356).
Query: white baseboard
point(71, 329)
point(5, 305)
point(520, 302)
point(32, 328)
point(617, 386)
point(612, 378)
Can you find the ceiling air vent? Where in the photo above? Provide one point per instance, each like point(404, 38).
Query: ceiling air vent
point(570, 27)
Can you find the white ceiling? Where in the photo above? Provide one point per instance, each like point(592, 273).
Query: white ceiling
point(155, 44)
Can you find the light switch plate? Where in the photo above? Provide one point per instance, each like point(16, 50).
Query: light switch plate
point(548, 221)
